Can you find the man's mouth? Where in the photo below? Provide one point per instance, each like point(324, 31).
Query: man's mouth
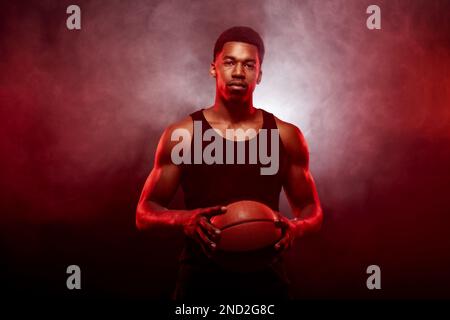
point(237, 85)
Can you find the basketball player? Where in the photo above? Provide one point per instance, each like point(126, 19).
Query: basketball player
point(208, 188)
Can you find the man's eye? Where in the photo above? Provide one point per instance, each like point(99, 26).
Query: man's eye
point(250, 66)
point(228, 63)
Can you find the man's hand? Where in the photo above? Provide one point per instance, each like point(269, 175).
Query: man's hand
point(290, 230)
point(199, 228)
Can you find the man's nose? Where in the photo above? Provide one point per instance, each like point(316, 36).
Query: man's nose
point(238, 71)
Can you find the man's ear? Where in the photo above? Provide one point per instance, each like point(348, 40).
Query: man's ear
point(258, 80)
point(212, 70)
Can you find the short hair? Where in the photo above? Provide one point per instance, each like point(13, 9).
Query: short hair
point(240, 34)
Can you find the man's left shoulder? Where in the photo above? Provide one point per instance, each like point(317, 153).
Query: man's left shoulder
point(292, 138)
point(286, 127)
point(289, 131)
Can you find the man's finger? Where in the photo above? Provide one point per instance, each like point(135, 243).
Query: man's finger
point(213, 211)
point(206, 241)
point(204, 247)
point(282, 244)
point(280, 223)
point(213, 232)
point(279, 243)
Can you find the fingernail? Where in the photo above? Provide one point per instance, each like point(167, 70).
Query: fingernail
point(213, 245)
point(217, 231)
point(223, 208)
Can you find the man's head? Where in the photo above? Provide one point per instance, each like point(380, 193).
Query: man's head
point(238, 55)
point(240, 34)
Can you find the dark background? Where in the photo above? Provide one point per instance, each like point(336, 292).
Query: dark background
point(82, 112)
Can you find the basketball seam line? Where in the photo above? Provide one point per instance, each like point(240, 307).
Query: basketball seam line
point(241, 222)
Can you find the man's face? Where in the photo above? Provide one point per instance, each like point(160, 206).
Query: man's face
point(237, 71)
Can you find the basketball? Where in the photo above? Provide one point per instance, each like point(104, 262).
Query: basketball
point(248, 234)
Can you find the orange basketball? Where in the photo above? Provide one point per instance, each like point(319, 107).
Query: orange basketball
point(248, 234)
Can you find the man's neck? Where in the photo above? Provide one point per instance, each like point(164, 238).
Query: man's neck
point(234, 111)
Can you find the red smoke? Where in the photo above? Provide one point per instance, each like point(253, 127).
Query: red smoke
point(83, 110)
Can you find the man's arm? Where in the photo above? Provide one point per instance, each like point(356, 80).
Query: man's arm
point(158, 190)
point(298, 183)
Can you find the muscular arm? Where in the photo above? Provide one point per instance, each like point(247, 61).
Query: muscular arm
point(161, 185)
point(159, 188)
point(298, 182)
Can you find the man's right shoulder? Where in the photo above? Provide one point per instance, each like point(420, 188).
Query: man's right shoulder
point(170, 138)
point(182, 127)
point(185, 123)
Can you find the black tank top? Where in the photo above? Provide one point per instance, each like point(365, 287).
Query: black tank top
point(206, 185)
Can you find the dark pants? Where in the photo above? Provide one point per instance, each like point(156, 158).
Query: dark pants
point(208, 282)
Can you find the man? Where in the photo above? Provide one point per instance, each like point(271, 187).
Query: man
point(208, 188)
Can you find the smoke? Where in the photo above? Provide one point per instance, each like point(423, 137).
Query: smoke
point(82, 112)
point(83, 105)
point(351, 90)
